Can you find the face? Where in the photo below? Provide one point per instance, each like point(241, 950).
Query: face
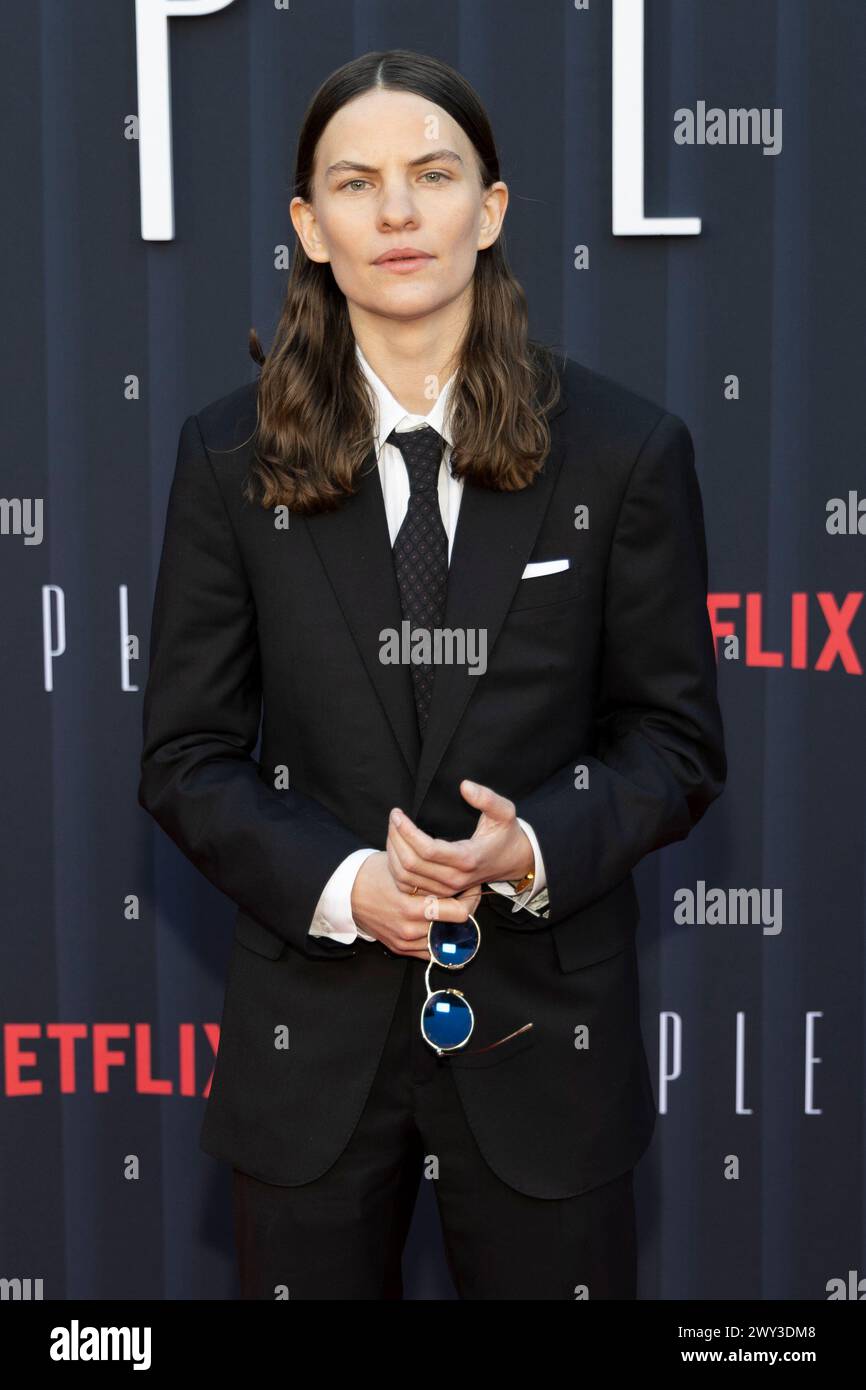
point(393, 170)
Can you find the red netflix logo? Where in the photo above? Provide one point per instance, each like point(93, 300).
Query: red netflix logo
point(817, 646)
point(81, 1057)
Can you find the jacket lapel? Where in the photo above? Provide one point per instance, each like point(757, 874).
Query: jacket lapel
point(355, 549)
point(495, 536)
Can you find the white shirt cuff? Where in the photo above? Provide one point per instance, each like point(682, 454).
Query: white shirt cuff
point(534, 898)
point(333, 914)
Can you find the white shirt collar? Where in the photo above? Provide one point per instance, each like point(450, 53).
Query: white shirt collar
point(389, 413)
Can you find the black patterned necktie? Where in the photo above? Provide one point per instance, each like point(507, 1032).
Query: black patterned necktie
point(421, 549)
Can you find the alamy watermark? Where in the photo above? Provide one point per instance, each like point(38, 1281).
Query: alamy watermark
point(738, 125)
point(437, 646)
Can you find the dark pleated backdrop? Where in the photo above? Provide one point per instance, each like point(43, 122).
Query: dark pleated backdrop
point(772, 291)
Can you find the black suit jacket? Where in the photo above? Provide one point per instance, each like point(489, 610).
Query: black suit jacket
point(608, 664)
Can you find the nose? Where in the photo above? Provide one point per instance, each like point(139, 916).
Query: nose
point(396, 206)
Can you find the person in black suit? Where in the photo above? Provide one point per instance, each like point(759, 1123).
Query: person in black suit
point(410, 466)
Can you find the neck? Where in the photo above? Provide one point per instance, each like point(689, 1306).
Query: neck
point(413, 358)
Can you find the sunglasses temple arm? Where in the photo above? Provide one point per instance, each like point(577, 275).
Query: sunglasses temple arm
point(489, 1047)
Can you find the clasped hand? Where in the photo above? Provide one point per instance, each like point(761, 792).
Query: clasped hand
point(447, 873)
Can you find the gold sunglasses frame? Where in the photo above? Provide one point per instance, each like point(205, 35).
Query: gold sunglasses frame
point(431, 994)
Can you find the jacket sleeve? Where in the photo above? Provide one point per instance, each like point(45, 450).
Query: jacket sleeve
point(270, 851)
point(658, 759)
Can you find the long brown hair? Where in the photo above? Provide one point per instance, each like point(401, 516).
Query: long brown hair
point(315, 413)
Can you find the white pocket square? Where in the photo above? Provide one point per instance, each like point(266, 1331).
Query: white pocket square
point(536, 567)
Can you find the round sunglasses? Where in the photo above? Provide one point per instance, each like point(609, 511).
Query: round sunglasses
point(447, 1019)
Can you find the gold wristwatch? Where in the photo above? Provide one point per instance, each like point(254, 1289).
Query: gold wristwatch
point(521, 884)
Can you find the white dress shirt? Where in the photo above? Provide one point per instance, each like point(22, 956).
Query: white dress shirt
point(333, 915)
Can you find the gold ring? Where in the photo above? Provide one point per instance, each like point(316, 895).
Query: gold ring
point(414, 891)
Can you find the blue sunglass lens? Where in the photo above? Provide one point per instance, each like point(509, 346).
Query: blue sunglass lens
point(453, 943)
point(447, 1019)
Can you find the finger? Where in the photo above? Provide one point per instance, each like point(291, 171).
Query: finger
point(408, 882)
point(405, 881)
point(407, 869)
point(402, 945)
point(410, 939)
point(451, 876)
point(413, 840)
point(415, 928)
point(406, 877)
point(487, 800)
point(453, 909)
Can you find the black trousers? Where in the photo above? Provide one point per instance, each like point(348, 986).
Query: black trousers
point(342, 1236)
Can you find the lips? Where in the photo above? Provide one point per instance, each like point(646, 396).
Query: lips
point(402, 253)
